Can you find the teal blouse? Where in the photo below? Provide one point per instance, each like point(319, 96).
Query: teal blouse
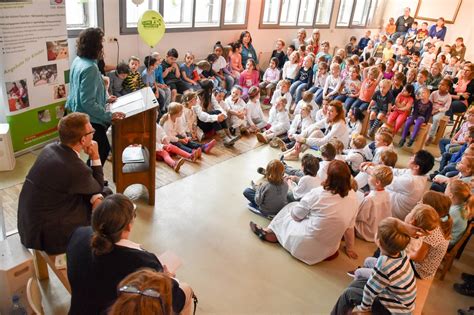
point(87, 91)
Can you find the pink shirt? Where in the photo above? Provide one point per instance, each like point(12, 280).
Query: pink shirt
point(367, 90)
point(248, 79)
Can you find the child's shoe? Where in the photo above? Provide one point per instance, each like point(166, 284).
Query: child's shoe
point(266, 101)
point(206, 148)
point(291, 156)
point(262, 138)
point(402, 142)
point(273, 143)
point(261, 171)
point(410, 143)
point(178, 164)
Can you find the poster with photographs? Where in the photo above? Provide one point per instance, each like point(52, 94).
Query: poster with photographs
point(57, 50)
point(17, 94)
point(34, 62)
point(47, 74)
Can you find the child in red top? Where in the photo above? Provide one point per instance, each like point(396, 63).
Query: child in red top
point(367, 89)
point(401, 110)
point(248, 78)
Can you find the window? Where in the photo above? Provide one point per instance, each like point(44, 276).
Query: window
point(296, 13)
point(186, 14)
point(345, 12)
point(356, 13)
point(83, 14)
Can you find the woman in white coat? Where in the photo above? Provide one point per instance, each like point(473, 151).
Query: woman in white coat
point(311, 229)
point(334, 127)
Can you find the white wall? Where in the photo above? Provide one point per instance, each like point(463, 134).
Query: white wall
point(462, 27)
point(201, 43)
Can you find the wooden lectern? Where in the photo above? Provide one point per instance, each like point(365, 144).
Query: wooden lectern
point(137, 128)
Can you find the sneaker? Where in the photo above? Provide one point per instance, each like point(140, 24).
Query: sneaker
point(208, 146)
point(410, 143)
point(252, 208)
point(464, 289)
point(261, 171)
point(401, 143)
point(266, 101)
point(291, 156)
point(261, 138)
point(351, 273)
point(232, 131)
point(467, 277)
point(194, 156)
point(438, 159)
point(178, 165)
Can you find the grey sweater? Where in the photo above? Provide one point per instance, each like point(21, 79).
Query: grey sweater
point(115, 87)
point(271, 198)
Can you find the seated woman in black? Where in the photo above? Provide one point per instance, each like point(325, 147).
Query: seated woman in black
point(99, 257)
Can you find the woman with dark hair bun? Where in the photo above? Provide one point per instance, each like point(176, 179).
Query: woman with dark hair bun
point(101, 255)
point(87, 90)
point(312, 228)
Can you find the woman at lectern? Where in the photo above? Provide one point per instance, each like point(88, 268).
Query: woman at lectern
point(86, 88)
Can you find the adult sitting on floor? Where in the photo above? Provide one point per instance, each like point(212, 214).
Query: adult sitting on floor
point(312, 228)
point(60, 190)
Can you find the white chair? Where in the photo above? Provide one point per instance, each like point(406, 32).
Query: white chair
point(33, 294)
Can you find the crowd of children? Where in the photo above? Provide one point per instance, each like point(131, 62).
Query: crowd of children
point(318, 100)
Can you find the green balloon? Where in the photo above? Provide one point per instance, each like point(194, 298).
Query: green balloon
point(151, 27)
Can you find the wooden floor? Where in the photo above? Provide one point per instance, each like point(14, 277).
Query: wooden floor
point(164, 175)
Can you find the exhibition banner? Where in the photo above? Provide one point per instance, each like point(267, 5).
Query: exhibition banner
point(35, 58)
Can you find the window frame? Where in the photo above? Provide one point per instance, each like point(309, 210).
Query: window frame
point(125, 30)
point(73, 33)
point(354, 5)
point(277, 25)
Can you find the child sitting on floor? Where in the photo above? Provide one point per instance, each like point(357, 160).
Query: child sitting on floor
point(328, 153)
point(300, 186)
point(374, 208)
point(282, 90)
point(236, 111)
point(392, 288)
point(270, 196)
point(339, 146)
point(322, 113)
point(299, 123)
point(164, 148)
point(355, 156)
point(380, 106)
point(420, 116)
point(306, 100)
point(354, 121)
point(279, 122)
point(173, 125)
point(255, 119)
point(192, 130)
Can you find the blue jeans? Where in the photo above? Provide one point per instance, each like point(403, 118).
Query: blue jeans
point(443, 145)
point(319, 98)
point(360, 104)
point(250, 193)
point(296, 90)
point(348, 103)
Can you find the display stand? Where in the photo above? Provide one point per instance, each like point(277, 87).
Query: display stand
point(137, 128)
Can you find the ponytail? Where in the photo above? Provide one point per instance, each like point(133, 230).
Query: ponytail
point(109, 220)
point(164, 118)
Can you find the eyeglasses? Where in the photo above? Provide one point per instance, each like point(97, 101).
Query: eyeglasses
point(90, 133)
point(130, 289)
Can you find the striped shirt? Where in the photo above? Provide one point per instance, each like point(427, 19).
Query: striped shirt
point(393, 282)
point(133, 82)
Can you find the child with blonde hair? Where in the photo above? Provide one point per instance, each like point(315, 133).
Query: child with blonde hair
point(192, 130)
point(255, 118)
point(459, 192)
point(355, 156)
point(236, 110)
point(279, 122)
point(291, 67)
point(174, 127)
point(300, 122)
point(380, 106)
point(333, 84)
point(269, 197)
point(374, 208)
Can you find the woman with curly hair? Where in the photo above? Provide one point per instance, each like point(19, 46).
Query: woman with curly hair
point(86, 88)
point(312, 228)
